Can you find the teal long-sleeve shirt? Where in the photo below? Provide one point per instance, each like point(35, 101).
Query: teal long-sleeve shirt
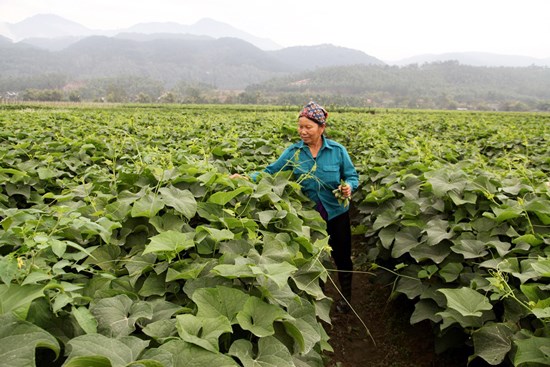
point(332, 164)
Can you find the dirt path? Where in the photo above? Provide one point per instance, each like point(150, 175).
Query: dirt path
point(398, 344)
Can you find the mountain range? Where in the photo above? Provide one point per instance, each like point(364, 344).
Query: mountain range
point(55, 33)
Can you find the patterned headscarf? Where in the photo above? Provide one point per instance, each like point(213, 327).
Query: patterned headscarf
point(315, 113)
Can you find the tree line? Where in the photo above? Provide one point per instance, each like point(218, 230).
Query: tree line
point(441, 85)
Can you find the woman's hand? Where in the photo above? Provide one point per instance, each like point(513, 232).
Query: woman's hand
point(345, 189)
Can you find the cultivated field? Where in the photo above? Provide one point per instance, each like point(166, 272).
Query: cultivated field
point(123, 241)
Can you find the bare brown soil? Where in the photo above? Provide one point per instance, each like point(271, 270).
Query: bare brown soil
point(396, 342)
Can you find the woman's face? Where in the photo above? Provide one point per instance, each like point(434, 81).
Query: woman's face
point(310, 132)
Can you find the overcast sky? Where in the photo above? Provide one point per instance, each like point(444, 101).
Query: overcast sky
point(386, 29)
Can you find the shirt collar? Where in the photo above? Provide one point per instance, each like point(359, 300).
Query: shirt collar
point(325, 144)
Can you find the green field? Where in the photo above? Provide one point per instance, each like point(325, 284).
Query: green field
point(123, 241)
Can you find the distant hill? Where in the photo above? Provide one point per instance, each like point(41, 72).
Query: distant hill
point(47, 26)
point(319, 56)
point(436, 85)
point(474, 59)
point(226, 63)
point(204, 27)
point(43, 26)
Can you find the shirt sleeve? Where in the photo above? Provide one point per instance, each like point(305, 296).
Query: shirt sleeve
point(349, 173)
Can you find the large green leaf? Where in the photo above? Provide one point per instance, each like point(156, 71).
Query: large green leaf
point(492, 342)
point(258, 317)
point(147, 206)
point(533, 349)
point(191, 355)
point(203, 331)
point(470, 248)
point(19, 340)
point(170, 241)
point(224, 301)
point(217, 235)
point(271, 353)
point(8, 269)
point(305, 329)
point(116, 316)
point(85, 319)
point(437, 230)
point(182, 201)
point(466, 301)
point(425, 309)
point(223, 197)
point(16, 297)
point(119, 352)
point(443, 181)
point(405, 240)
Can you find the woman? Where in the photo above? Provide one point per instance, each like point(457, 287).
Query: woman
point(326, 164)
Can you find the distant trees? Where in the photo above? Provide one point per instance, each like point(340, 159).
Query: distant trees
point(43, 95)
point(444, 85)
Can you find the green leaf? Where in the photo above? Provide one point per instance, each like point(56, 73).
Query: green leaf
point(190, 355)
point(119, 352)
point(8, 269)
point(36, 277)
point(154, 285)
point(271, 353)
point(203, 331)
point(470, 249)
point(437, 231)
point(222, 198)
point(185, 269)
point(425, 309)
point(19, 340)
point(385, 219)
point(85, 319)
point(405, 240)
point(492, 342)
point(531, 239)
point(258, 317)
point(117, 316)
point(267, 216)
point(305, 328)
point(183, 201)
point(170, 241)
point(147, 206)
point(18, 297)
point(436, 253)
point(58, 247)
point(279, 273)
point(466, 301)
point(217, 235)
point(224, 301)
point(504, 214)
point(443, 181)
point(88, 361)
point(534, 349)
point(451, 271)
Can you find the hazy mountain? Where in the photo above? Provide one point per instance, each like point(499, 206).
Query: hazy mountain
point(311, 57)
point(44, 26)
point(5, 41)
point(161, 36)
point(47, 26)
point(54, 33)
point(204, 27)
point(227, 63)
point(474, 59)
point(52, 44)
